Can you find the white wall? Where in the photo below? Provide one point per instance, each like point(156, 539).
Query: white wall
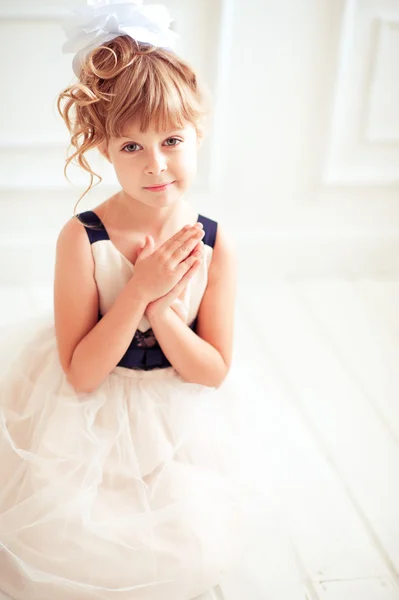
point(309, 117)
point(302, 159)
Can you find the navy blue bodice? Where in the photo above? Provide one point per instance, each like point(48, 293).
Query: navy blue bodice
point(143, 352)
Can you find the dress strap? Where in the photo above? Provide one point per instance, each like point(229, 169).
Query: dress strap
point(96, 231)
point(210, 228)
point(95, 228)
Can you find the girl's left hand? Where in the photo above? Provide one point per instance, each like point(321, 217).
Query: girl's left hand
point(174, 299)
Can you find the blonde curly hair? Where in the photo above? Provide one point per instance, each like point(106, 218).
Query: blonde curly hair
point(123, 79)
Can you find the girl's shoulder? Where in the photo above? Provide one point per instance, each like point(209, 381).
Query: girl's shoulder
point(224, 248)
point(219, 235)
point(221, 239)
point(73, 255)
point(72, 235)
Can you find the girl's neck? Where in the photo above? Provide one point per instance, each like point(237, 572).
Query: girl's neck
point(121, 213)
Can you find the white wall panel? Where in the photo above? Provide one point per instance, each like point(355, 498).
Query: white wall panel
point(41, 166)
point(34, 78)
point(382, 113)
point(364, 142)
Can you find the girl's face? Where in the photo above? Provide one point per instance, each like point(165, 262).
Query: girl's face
point(143, 161)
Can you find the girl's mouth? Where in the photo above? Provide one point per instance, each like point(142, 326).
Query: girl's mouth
point(159, 188)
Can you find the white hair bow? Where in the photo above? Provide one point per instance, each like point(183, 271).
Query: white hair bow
point(103, 20)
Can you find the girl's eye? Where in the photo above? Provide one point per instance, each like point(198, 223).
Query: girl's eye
point(128, 147)
point(131, 148)
point(173, 140)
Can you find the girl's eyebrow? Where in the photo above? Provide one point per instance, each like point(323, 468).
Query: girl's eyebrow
point(166, 134)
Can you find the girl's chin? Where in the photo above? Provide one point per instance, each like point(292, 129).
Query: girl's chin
point(166, 196)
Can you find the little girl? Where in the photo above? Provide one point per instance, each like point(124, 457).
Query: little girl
point(116, 467)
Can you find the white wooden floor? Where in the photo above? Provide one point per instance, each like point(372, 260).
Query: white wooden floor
point(316, 373)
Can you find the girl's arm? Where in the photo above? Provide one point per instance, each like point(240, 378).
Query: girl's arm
point(89, 349)
point(205, 356)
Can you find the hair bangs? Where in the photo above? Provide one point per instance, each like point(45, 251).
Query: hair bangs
point(163, 104)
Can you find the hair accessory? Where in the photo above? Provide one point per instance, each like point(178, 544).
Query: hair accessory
point(103, 20)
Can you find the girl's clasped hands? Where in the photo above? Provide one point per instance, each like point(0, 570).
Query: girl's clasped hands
point(163, 274)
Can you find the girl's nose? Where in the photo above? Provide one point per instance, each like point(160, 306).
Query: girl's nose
point(156, 163)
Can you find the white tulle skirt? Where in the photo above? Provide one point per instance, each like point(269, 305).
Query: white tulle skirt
point(127, 493)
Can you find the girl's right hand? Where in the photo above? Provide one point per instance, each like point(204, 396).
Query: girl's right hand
point(157, 274)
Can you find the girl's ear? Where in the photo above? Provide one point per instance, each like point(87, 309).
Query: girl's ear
point(103, 149)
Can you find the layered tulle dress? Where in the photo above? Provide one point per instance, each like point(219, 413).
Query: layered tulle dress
point(128, 492)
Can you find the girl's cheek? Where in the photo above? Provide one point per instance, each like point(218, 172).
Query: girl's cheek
point(191, 165)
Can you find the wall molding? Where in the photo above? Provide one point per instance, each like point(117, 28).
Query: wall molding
point(354, 157)
point(40, 13)
point(14, 146)
point(383, 26)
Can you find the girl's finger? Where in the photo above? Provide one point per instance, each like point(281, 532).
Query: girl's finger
point(186, 249)
point(146, 249)
point(189, 273)
point(181, 239)
point(185, 278)
point(183, 267)
point(199, 246)
point(179, 287)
